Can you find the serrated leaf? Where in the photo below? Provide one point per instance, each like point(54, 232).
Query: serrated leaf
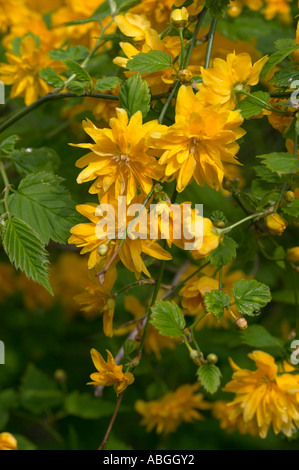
point(257, 336)
point(292, 209)
point(210, 377)
point(275, 59)
point(134, 95)
point(76, 87)
point(26, 251)
point(31, 160)
point(51, 77)
point(71, 52)
point(224, 253)
point(149, 62)
point(45, 205)
point(216, 301)
point(38, 392)
point(252, 105)
point(81, 74)
point(250, 296)
point(168, 318)
point(282, 163)
point(7, 146)
point(283, 78)
point(266, 174)
point(108, 83)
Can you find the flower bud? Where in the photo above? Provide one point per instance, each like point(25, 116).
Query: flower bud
point(293, 254)
point(179, 17)
point(195, 357)
point(241, 323)
point(60, 375)
point(185, 76)
point(212, 358)
point(289, 196)
point(276, 224)
point(103, 250)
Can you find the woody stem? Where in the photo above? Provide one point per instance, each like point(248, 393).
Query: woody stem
point(104, 441)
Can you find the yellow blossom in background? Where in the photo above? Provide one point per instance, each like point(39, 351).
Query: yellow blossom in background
point(268, 396)
point(202, 138)
point(44, 6)
point(280, 8)
point(158, 11)
point(276, 224)
point(120, 160)
point(293, 254)
point(225, 77)
point(194, 291)
point(8, 441)
point(22, 72)
point(97, 298)
point(11, 12)
point(222, 410)
point(174, 408)
point(109, 373)
point(35, 297)
point(236, 6)
point(280, 122)
point(133, 26)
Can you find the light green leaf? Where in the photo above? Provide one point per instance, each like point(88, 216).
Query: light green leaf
point(216, 301)
point(76, 87)
point(210, 377)
point(71, 52)
point(168, 318)
point(253, 104)
point(282, 163)
point(108, 83)
point(149, 62)
point(7, 146)
point(45, 205)
point(250, 296)
point(51, 77)
point(26, 251)
point(292, 209)
point(134, 95)
point(81, 74)
point(224, 253)
point(275, 59)
point(84, 405)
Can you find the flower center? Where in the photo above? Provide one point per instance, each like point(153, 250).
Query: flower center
point(193, 145)
point(122, 158)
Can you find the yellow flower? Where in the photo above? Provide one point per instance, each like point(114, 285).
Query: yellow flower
point(22, 72)
point(268, 396)
point(179, 17)
point(11, 12)
point(7, 441)
point(133, 26)
point(236, 6)
point(119, 160)
point(85, 236)
point(157, 11)
point(224, 78)
point(279, 121)
point(202, 138)
point(44, 6)
point(293, 254)
point(222, 410)
point(278, 7)
point(167, 413)
point(276, 224)
point(194, 291)
point(109, 373)
point(97, 298)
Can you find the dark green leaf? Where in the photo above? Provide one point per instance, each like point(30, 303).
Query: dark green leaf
point(275, 59)
point(250, 296)
point(105, 84)
point(84, 405)
point(216, 301)
point(35, 160)
point(149, 62)
point(210, 377)
point(81, 74)
point(253, 104)
point(134, 95)
point(51, 77)
point(283, 163)
point(257, 336)
point(224, 253)
point(71, 52)
point(7, 146)
point(292, 210)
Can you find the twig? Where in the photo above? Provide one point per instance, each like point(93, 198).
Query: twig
point(118, 402)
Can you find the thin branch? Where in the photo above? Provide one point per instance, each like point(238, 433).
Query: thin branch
point(118, 402)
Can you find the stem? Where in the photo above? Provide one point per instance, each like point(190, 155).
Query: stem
point(182, 48)
point(220, 278)
point(252, 216)
point(210, 43)
point(168, 101)
point(194, 37)
point(6, 187)
point(198, 320)
point(118, 402)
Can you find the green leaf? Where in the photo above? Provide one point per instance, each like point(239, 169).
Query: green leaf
point(216, 301)
point(104, 84)
point(38, 392)
point(266, 174)
point(81, 74)
point(34, 160)
point(84, 405)
point(292, 209)
point(7, 146)
point(71, 52)
point(251, 105)
point(8, 401)
point(129, 347)
point(149, 62)
point(45, 205)
point(250, 296)
point(76, 87)
point(283, 78)
point(224, 253)
point(216, 7)
point(134, 95)
point(282, 163)
point(168, 318)
point(257, 336)
point(51, 77)
point(210, 377)
point(24, 443)
point(26, 251)
point(275, 59)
